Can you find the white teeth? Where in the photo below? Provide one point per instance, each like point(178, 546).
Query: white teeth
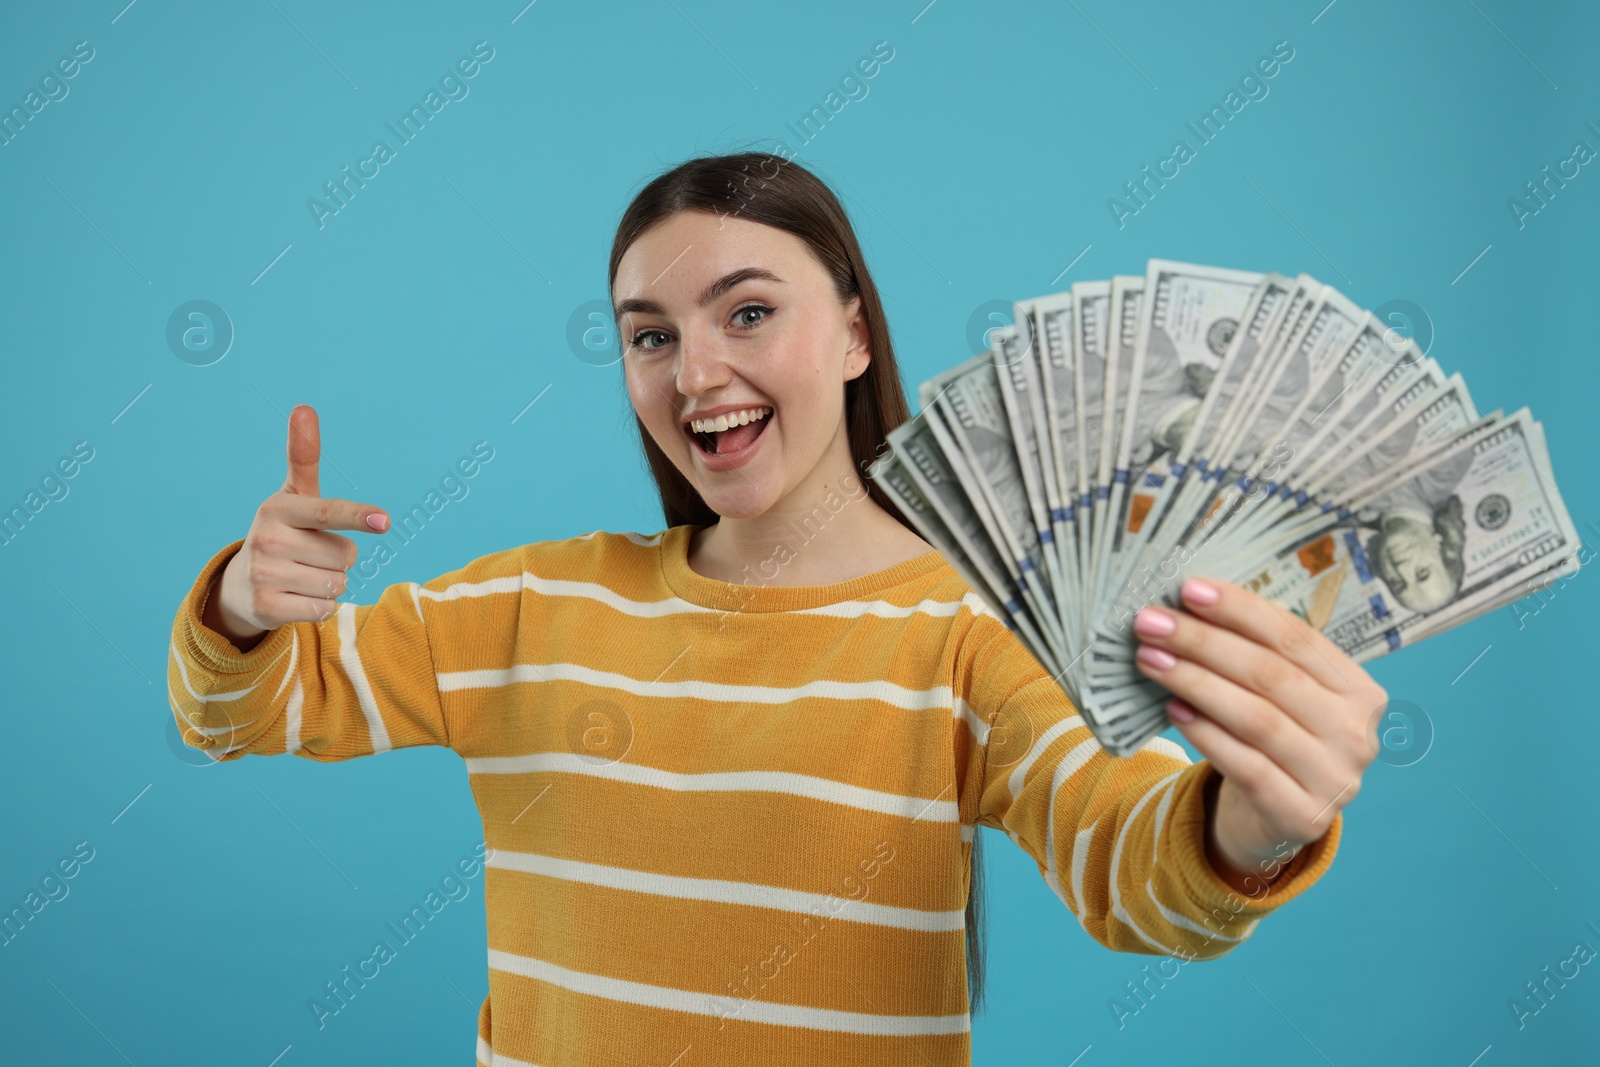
point(733, 418)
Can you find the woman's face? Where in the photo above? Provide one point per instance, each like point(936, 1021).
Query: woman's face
point(723, 315)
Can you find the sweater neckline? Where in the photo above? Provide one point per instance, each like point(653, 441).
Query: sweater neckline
point(696, 588)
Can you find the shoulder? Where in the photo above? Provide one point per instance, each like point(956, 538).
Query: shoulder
point(585, 557)
point(598, 555)
point(987, 650)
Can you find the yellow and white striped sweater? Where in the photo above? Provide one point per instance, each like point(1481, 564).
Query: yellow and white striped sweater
point(731, 819)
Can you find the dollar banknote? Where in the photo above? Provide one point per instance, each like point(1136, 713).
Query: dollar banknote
point(1123, 435)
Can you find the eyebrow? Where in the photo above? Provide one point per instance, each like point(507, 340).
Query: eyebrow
point(710, 293)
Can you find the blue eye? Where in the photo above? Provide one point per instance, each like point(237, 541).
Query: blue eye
point(752, 307)
point(634, 341)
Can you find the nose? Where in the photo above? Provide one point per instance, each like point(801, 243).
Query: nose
point(701, 364)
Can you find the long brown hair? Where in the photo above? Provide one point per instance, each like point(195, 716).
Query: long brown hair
point(765, 188)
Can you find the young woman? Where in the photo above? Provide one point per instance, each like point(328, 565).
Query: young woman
point(730, 772)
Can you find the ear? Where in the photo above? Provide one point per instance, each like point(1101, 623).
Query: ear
point(859, 355)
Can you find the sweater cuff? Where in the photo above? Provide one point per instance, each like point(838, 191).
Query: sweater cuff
point(211, 649)
point(1205, 886)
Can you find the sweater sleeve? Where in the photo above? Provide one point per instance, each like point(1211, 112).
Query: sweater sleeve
point(1120, 841)
point(357, 683)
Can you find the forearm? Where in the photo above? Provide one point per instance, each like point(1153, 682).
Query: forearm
point(362, 684)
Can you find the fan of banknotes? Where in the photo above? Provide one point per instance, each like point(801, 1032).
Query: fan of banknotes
point(1126, 435)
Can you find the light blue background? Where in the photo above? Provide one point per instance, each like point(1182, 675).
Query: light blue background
point(978, 166)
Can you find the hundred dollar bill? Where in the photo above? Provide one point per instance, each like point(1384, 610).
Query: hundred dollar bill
point(1186, 332)
point(1014, 352)
point(1438, 418)
point(1047, 320)
point(1469, 525)
point(1190, 315)
point(1373, 415)
point(1559, 569)
point(1091, 335)
point(1091, 312)
point(1127, 303)
point(1508, 539)
point(1209, 500)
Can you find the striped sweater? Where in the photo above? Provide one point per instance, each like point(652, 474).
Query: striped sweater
point(731, 820)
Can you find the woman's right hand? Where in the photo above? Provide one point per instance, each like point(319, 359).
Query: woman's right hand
point(290, 568)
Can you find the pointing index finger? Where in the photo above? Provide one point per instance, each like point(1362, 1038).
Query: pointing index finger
point(331, 513)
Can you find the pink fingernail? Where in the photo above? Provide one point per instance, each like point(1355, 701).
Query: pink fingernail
point(1203, 593)
point(378, 522)
point(1153, 622)
point(1180, 711)
point(1159, 658)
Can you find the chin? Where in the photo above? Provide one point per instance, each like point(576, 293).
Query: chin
point(747, 503)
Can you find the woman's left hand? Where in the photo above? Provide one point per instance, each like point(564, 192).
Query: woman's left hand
point(1288, 720)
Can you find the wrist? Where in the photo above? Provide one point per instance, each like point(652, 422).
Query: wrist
point(214, 614)
point(1245, 870)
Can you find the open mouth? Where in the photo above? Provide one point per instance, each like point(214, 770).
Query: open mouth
point(730, 432)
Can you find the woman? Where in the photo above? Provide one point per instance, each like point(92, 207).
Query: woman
point(730, 772)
